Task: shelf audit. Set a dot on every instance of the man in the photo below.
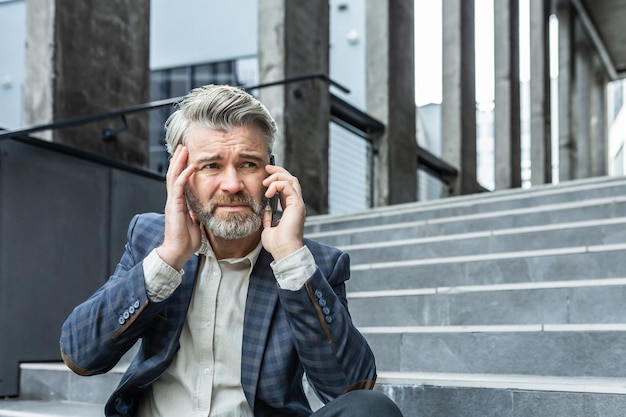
(231, 311)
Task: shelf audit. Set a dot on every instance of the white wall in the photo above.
(12, 48)
(347, 49)
(617, 132)
(349, 179)
(187, 32)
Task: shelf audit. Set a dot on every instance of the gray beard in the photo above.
(234, 225)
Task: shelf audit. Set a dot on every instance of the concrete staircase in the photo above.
(510, 303)
(502, 304)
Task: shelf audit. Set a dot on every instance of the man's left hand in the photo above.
(286, 237)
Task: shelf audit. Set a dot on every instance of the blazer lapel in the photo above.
(260, 306)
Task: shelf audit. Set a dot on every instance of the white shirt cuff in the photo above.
(294, 270)
(160, 279)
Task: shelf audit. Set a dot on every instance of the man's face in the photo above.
(225, 192)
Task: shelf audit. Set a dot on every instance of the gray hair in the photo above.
(219, 107)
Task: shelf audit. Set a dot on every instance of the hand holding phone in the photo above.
(287, 235)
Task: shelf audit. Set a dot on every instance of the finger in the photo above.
(176, 191)
(278, 173)
(267, 219)
(282, 176)
(178, 186)
(177, 163)
(285, 188)
(174, 159)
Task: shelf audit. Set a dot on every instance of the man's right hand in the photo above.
(182, 230)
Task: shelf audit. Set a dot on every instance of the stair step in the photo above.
(505, 200)
(55, 382)
(587, 233)
(589, 385)
(30, 408)
(435, 394)
(534, 349)
(559, 264)
(438, 226)
(563, 302)
(440, 394)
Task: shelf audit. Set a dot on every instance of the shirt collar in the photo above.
(207, 250)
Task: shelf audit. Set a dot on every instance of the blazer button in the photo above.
(136, 304)
(318, 294)
(322, 302)
(121, 320)
(131, 310)
(126, 315)
(328, 319)
(326, 310)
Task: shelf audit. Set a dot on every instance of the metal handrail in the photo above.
(76, 121)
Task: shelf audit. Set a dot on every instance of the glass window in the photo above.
(618, 97)
(618, 166)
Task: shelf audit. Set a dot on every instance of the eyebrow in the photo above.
(254, 157)
(217, 157)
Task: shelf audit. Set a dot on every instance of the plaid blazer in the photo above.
(286, 333)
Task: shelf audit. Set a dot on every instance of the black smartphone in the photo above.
(273, 201)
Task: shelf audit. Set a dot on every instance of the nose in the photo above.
(231, 181)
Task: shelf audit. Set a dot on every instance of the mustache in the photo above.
(239, 199)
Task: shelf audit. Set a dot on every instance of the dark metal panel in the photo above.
(54, 234)
(130, 194)
(8, 376)
(59, 216)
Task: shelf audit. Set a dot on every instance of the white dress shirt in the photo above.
(204, 378)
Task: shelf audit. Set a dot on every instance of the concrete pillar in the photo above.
(540, 115)
(581, 111)
(459, 93)
(390, 86)
(599, 128)
(508, 171)
(566, 75)
(85, 58)
(294, 41)
(590, 120)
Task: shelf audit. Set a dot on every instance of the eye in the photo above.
(249, 164)
(208, 167)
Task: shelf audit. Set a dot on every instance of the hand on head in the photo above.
(182, 230)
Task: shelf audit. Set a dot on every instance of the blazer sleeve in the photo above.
(334, 354)
(99, 331)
